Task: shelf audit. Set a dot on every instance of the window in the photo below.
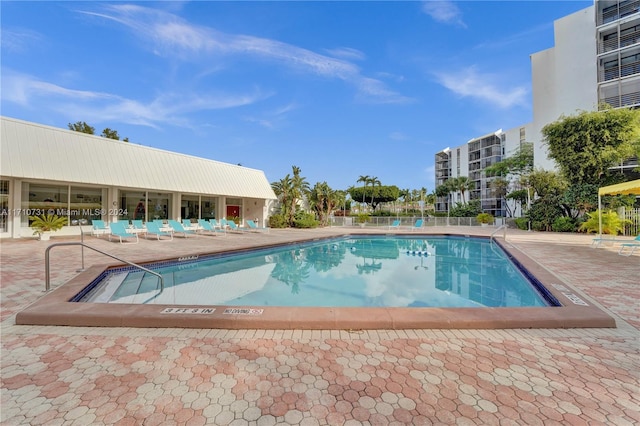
(4, 205)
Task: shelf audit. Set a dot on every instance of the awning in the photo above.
(624, 188)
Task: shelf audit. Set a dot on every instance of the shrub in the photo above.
(522, 223)
(305, 220)
(363, 218)
(611, 223)
(563, 224)
(484, 218)
(277, 221)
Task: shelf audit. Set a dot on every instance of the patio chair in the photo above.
(635, 243)
(99, 228)
(208, 227)
(596, 242)
(137, 224)
(177, 227)
(395, 224)
(417, 225)
(154, 229)
(253, 227)
(233, 227)
(118, 229)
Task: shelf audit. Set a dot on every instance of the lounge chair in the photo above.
(233, 227)
(177, 227)
(217, 226)
(208, 227)
(253, 227)
(137, 224)
(154, 229)
(596, 242)
(633, 244)
(99, 228)
(118, 229)
(417, 225)
(395, 224)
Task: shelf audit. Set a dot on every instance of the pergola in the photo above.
(625, 188)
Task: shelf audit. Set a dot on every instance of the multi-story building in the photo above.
(595, 59)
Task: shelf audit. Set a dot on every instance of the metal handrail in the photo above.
(47, 269)
(504, 235)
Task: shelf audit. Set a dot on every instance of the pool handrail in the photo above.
(504, 235)
(47, 282)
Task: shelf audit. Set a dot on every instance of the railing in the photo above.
(616, 72)
(623, 100)
(504, 235)
(409, 221)
(47, 269)
(618, 11)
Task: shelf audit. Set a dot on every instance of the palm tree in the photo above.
(373, 180)
(365, 180)
(283, 189)
(299, 190)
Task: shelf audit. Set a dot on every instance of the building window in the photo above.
(159, 205)
(40, 199)
(4, 205)
(208, 210)
(133, 205)
(85, 204)
(190, 207)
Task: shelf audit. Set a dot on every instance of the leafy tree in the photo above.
(470, 209)
(374, 181)
(324, 200)
(365, 180)
(290, 190)
(586, 145)
(509, 172)
(110, 134)
(82, 127)
(611, 222)
(381, 194)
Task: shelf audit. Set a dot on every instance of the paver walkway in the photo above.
(95, 376)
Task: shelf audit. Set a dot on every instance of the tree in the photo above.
(373, 180)
(461, 184)
(381, 194)
(82, 127)
(586, 145)
(324, 200)
(365, 180)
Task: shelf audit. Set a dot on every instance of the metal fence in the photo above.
(631, 228)
(407, 222)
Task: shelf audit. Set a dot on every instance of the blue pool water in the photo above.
(382, 271)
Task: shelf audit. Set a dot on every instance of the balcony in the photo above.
(612, 73)
(614, 43)
(628, 99)
(618, 11)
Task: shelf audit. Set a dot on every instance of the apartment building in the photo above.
(595, 59)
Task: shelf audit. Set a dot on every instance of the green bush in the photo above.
(277, 221)
(484, 218)
(522, 223)
(611, 223)
(563, 224)
(305, 220)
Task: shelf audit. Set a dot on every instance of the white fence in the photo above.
(406, 221)
(633, 216)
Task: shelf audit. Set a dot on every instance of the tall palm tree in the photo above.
(462, 184)
(373, 180)
(300, 189)
(283, 189)
(365, 180)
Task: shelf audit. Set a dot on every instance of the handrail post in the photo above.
(47, 269)
(81, 248)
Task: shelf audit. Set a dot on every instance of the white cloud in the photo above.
(484, 87)
(346, 53)
(26, 90)
(444, 11)
(171, 36)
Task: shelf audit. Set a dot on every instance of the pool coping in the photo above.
(55, 308)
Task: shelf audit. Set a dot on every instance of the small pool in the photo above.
(353, 271)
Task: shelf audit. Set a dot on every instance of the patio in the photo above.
(81, 375)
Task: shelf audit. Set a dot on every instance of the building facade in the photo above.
(595, 59)
(84, 177)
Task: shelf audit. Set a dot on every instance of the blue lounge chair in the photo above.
(233, 227)
(208, 227)
(217, 226)
(633, 244)
(154, 229)
(253, 227)
(417, 225)
(137, 224)
(395, 224)
(99, 228)
(597, 242)
(118, 229)
(177, 227)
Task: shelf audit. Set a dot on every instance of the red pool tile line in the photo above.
(55, 309)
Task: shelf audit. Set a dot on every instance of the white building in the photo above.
(595, 59)
(84, 177)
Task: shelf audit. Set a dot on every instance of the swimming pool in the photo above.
(364, 271)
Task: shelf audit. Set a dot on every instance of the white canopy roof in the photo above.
(34, 151)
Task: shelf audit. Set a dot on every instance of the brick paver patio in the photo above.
(94, 376)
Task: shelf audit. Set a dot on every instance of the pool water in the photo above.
(381, 271)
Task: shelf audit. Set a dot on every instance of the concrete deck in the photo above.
(104, 375)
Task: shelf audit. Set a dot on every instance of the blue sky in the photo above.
(339, 89)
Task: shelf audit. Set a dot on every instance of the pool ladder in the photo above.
(504, 234)
(47, 283)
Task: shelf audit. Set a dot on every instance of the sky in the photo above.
(339, 89)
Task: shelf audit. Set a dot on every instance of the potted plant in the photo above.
(44, 224)
(484, 218)
(363, 218)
